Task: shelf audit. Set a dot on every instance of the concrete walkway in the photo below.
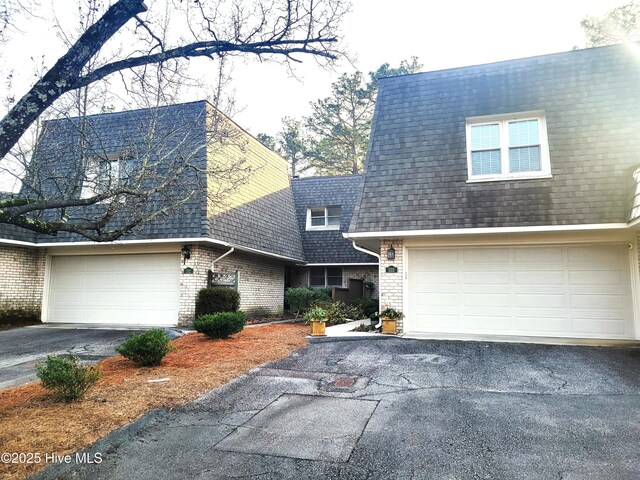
(391, 408)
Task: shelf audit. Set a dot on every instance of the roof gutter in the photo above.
(216, 260)
(364, 250)
(152, 242)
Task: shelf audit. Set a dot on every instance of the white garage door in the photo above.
(555, 291)
(116, 289)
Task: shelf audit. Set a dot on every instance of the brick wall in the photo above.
(300, 276)
(21, 280)
(261, 282)
(391, 283)
(367, 272)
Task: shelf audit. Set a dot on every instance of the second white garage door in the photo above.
(115, 289)
(579, 291)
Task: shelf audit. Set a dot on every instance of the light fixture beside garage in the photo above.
(186, 253)
(391, 253)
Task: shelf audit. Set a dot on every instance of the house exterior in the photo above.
(507, 191)
(324, 207)
(143, 278)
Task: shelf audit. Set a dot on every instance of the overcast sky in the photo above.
(443, 34)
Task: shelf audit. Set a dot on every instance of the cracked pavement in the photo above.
(22, 348)
(432, 409)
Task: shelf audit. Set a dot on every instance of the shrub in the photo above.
(339, 312)
(217, 299)
(301, 299)
(220, 325)
(66, 378)
(391, 314)
(369, 306)
(147, 349)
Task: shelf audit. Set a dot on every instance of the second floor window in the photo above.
(107, 174)
(323, 218)
(507, 147)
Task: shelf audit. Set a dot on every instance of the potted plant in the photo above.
(390, 318)
(317, 316)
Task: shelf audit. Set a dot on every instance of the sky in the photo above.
(442, 34)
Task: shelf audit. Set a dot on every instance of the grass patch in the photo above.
(30, 420)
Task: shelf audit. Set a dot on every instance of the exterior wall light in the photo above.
(391, 253)
(186, 253)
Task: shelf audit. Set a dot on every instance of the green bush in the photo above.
(220, 325)
(301, 299)
(217, 299)
(339, 312)
(316, 314)
(147, 349)
(369, 306)
(66, 378)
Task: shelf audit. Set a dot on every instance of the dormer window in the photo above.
(107, 173)
(323, 218)
(507, 147)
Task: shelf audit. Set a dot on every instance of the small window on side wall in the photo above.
(325, 277)
(507, 147)
(323, 218)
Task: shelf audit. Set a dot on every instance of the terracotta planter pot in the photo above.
(389, 326)
(318, 329)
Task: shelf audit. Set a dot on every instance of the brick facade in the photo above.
(369, 273)
(391, 284)
(21, 281)
(261, 282)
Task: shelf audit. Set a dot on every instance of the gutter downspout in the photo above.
(364, 250)
(216, 260)
(377, 255)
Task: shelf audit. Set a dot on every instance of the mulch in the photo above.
(31, 421)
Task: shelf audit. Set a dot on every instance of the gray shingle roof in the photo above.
(416, 168)
(328, 246)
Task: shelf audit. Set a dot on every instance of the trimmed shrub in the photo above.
(301, 299)
(220, 325)
(369, 306)
(339, 312)
(146, 349)
(217, 299)
(66, 378)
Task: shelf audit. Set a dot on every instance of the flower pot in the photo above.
(318, 328)
(389, 326)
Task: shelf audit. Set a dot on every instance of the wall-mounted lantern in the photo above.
(186, 253)
(391, 253)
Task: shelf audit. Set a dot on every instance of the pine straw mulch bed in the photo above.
(30, 421)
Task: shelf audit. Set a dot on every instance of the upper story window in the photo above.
(103, 174)
(323, 218)
(505, 147)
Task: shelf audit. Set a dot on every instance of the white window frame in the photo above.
(326, 277)
(91, 183)
(503, 122)
(326, 226)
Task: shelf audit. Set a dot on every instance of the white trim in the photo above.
(364, 250)
(19, 243)
(485, 230)
(44, 307)
(310, 227)
(153, 241)
(338, 264)
(635, 285)
(503, 125)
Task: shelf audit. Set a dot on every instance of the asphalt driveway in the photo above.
(395, 408)
(22, 348)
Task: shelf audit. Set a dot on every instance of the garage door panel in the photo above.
(539, 277)
(486, 278)
(539, 255)
(125, 289)
(566, 291)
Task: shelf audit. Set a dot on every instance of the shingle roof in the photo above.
(416, 168)
(328, 246)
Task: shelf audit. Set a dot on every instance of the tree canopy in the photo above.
(333, 139)
(622, 24)
(131, 40)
